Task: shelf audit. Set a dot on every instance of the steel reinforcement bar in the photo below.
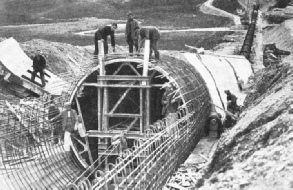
(40, 165)
(28, 157)
(166, 144)
(153, 159)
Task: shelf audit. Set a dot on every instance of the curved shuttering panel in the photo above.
(31, 158)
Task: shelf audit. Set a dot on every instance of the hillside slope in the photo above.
(257, 152)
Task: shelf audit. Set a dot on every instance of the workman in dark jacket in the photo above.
(39, 65)
(170, 102)
(231, 98)
(149, 33)
(102, 34)
(214, 120)
(131, 24)
(232, 107)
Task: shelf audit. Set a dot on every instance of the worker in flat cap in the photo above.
(131, 24)
(69, 118)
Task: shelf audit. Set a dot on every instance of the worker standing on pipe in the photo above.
(102, 34)
(149, 33)
(69, 118)
(131, 24)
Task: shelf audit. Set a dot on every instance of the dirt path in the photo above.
(208, 8)
(218, 29)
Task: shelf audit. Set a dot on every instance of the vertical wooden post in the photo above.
(100, 90)
(146, 58)
(101, 49)
(105, 109)
(145, 106)
(86, 138)
(141, 123)
(99, 95)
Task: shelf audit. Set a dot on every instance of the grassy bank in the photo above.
(167, 16)
(65, 16)
(229, 6)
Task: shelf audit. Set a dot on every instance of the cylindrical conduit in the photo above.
(248, 41)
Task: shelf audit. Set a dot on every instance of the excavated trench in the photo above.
(31, 153)
(190, 89)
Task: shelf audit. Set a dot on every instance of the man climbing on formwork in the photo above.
(214, 121)
(232, 108)
(169, 100)
(131, 24)
(39, 65)
(102, 34)
(69, 118)
(149, 33)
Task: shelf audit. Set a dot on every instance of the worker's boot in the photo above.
(33, 76)
(157, 55)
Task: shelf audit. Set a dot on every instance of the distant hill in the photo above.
(166, 13)
(44, 11)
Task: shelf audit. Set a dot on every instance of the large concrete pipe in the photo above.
(110, 105)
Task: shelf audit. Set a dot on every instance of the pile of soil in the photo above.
(64, 58)
(61, 57)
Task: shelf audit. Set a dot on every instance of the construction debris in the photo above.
(185, 178)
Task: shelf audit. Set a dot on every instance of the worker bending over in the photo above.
(149, 33)
(102, 34)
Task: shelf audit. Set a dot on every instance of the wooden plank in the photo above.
(34, 82)
(86, 138)
(119, 101)
(115, 85)
(122, 115)
(176, 186)
(146, 57)
(147, 109)
(36, 75)
(131, 124)
(123, 77)
(141, 104)
(204, 157)
(110, 134)
(46, 74)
